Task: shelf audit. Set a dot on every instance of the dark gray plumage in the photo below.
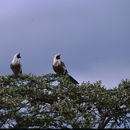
(60, 68)
(15, 64)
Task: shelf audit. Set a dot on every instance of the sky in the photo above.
(92, 36)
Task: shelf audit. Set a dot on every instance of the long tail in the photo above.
(72, 79)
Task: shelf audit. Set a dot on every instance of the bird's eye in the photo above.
(18, 56)
(58, 57)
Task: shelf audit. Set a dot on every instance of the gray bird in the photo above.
(15, 64)
(60, 68)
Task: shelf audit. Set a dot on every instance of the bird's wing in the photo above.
(64, 67)
(66, 72)
(16, 68)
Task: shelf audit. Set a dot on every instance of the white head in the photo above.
(16, 58)
(56, 58)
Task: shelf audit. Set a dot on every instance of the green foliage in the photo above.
(52, 101)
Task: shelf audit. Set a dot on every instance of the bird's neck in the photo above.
(15, 61)
(56, 62)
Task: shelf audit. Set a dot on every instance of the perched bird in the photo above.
(60, 68)
(15, 64)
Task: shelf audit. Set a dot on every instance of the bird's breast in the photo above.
(57, 63)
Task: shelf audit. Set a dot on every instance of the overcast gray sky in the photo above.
(93, 37)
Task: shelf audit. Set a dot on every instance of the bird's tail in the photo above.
(72, 79)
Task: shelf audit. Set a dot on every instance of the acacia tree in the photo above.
(52, 101)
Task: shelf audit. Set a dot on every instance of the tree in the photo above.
(52, 101)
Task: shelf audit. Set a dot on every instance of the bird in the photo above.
(15, 64)
(60, 68)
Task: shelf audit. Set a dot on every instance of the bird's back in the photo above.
(16, 68)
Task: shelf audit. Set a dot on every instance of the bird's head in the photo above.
(57, 56)
(18, 55)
